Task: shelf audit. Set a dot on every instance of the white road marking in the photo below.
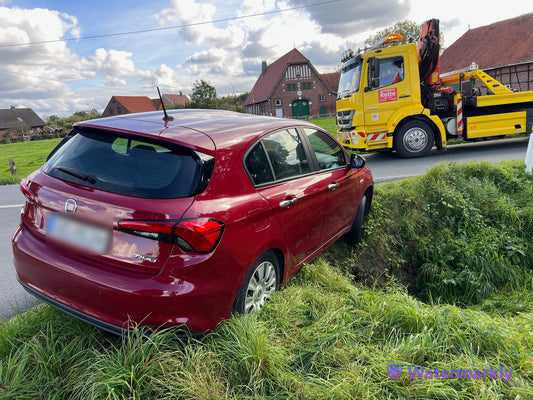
(12, 206)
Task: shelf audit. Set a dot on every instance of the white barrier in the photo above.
(529, 155)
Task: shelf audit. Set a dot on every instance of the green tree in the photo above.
(53, 120)
(203, 95)
(233, 102)
(408, 29)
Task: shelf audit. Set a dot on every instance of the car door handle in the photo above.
(333, 186)
(287, 203)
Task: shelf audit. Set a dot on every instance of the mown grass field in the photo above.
(28, 156)
(443, 279)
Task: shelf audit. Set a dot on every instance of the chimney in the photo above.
(181, 93)
(263, 67)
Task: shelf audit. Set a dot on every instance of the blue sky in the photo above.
(62, 77)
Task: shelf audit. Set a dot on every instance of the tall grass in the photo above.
(325, 335)
(457, 234)
(320, 338)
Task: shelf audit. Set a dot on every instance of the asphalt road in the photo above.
(385, 167)
(388, 166)
(12, 296)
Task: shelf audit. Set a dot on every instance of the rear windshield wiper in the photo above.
(80, 175)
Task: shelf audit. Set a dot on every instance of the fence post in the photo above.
(529, 155)
(12, 167)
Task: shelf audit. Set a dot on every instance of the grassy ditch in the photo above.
(332, 332)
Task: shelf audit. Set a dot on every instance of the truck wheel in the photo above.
(414, 139)
(354, 235)
(260, 283)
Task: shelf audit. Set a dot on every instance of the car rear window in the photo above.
(129, 165)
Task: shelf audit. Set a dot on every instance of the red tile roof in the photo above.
(176, 99)
(265, 84)
(135, 104)
(502, 43)
(332, 80)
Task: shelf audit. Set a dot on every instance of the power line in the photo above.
(75, 82)
(171, 27)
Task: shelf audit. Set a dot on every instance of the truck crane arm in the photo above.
(428, 47)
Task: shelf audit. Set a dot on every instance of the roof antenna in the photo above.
(166, 117)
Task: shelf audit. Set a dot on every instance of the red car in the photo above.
(140, 220)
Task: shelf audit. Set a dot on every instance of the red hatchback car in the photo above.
(137, 220)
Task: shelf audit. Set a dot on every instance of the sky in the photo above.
(83, 52)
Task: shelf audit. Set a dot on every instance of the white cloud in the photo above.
(215, 62)
(351, 17)
(39, 75)
(190, 12)
(115, 66)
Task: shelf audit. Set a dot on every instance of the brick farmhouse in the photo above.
(292, 87)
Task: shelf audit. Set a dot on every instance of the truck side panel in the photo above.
(496, 124)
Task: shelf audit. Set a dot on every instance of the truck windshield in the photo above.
(350, 77)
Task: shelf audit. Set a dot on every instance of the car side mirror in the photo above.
(356, 161)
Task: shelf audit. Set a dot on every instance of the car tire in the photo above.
(355, 233)
(260, 283)
(414, 139)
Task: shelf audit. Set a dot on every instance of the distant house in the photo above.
(135, 104)
(292, 87)
(503, 50)
(23, 117)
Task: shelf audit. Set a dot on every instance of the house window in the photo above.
(291, 86)
(321, 97)
(277, 102)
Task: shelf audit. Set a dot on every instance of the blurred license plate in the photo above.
(79, 234)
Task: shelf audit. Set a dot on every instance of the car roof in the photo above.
(203, 130)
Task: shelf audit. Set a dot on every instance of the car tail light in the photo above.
(26, 191)
(195, 235)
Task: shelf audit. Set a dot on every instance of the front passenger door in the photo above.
(342, 184)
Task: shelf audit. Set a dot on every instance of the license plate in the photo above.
(79, 234)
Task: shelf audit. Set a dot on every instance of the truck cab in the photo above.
(379, 102)
(392, 96)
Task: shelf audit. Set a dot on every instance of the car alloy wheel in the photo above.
(259, 284)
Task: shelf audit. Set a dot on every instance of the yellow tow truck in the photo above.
(392, 96)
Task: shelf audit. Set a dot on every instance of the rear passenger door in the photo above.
(280, 169)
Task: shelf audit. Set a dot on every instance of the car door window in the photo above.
(327, 151)
(258, 165)
(278, 156)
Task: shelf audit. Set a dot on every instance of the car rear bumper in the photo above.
(76, 314)
(114, 300)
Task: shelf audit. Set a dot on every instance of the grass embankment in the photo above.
(28, 156)
(459, 234)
